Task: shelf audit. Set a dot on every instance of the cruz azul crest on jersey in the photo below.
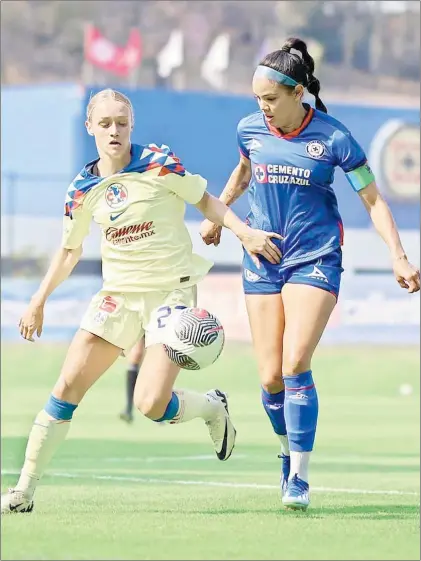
(315, 149)
(116, 195)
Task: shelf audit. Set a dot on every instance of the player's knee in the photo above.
(296, 361)
(150, 404)
(271, 378)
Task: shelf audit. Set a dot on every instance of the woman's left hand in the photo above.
(406, 274)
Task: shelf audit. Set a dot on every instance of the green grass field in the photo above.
(148, 491)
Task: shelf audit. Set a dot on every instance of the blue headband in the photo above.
(274, 75)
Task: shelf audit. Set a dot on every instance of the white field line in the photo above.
(228, 484)
(366, 460)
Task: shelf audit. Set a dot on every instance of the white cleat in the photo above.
(297, 494)
(15, 501)
(221, 429)
(285, 469)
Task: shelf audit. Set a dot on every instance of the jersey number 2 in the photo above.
(164, 313)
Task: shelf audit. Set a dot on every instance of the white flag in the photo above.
(216, 61)
(172, 54)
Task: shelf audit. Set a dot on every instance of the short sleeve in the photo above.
(77, 215)
(241, 142)
(352, 159)
(76, 227)
(349, 154)
(190, 188)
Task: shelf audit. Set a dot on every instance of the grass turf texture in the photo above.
(148, 491)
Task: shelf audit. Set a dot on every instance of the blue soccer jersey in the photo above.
(291, 191)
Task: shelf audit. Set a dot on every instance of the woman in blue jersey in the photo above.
(288, 154)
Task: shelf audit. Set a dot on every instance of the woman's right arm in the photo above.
(237, 185)
(76, 223)
(62, 264)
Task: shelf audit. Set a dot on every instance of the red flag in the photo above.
(102, 52)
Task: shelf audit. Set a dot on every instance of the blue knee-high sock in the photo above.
(274, 407)
(171, 410)
(301, 411)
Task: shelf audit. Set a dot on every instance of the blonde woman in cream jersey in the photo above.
(137, 195)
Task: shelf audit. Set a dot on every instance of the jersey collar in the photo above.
(135, 151)
(296, 132)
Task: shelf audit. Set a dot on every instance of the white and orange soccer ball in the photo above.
(194, 338)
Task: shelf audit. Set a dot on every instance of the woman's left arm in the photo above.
(406, 274)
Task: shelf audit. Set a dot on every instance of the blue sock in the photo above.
(301, 411)
(171, 410)
(274, 407)
(59, 409)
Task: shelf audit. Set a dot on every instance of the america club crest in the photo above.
(315, 149)
(116, 195)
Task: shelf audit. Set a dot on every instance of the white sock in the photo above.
(284, 444)
(193, 405)
(299, 464)
(45, 437)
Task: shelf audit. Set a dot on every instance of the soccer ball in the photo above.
(194, 338)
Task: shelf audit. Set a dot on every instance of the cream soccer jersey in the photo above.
(145, 243)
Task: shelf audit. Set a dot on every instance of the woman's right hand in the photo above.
(32, 321)
(210, 232)
(258, 242)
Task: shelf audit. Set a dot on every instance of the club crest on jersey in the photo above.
(116, 195)
(315, 149)
(251, 276)
(260, 173)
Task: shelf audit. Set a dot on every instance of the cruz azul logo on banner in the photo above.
(274, 173)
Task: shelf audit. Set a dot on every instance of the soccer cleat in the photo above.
(297, 494)
(15, 501)
(127, 417)
(286, 465)
(221, 429)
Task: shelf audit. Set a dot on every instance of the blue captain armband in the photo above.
(360, 177)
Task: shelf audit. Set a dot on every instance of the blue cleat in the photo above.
(297, 494)
(286, 465)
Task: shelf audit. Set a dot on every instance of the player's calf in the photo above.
(131, 378)
(49, 430)
(156, 407)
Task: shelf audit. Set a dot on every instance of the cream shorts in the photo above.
(123, 319)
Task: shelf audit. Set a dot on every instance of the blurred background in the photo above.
(148, 491)
(187, 67)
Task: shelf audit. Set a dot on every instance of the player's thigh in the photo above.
(309, 297)
(307, 312)
(107, 329)
(155, 382)
(158, 373)
(136, 354)
(88, 357)
(267, 322)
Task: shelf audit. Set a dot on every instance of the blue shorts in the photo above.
(324, 272)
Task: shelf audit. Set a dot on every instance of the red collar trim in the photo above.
(296, 132)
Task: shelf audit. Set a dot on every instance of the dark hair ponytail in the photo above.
(299, 68)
